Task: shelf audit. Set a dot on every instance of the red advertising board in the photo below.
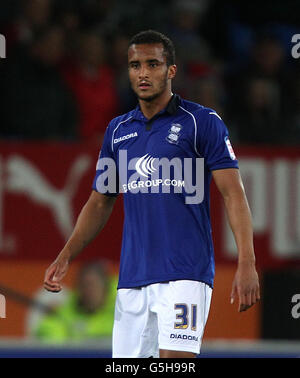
(43, 186)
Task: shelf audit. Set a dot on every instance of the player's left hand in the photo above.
(246, 286)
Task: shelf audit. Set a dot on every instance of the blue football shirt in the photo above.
(165, 238)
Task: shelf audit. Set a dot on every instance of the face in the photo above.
(50, 49)
(149, 74)
(92, 50)
(91, 290)
(38, 11)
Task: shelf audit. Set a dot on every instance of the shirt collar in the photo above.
(171, 109)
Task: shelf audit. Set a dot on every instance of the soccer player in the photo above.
(167, 263)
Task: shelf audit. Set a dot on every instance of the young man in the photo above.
(167, 264)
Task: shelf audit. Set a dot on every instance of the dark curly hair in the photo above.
(152, 36)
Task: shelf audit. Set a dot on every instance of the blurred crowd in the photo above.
(65, 75)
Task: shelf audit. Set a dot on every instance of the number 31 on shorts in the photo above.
(183, 316)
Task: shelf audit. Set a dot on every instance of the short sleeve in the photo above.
(106, 178)
(213, 142)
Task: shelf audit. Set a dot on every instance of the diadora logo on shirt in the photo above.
(174, 133)
(125, 137)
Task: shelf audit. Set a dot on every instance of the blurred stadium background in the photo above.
(65, 77)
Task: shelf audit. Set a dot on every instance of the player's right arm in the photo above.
(90, 222)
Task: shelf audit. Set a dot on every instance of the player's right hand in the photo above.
(55, 273)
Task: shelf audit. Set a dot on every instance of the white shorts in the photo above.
(170, 316)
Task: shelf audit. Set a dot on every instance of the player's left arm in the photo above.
(245, 284)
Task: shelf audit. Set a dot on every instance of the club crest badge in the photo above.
(174, 133)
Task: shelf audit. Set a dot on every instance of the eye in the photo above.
(153, 65)
(133, 65)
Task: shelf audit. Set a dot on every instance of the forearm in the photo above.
(90, 222)
(240, 221)
(245, 283)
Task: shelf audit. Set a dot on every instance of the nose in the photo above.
(144, 73)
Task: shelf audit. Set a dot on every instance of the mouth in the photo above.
(144, 85)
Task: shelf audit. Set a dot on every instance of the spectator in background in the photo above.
(93, 83)
(259, 100)
(88, 312)
(118, 56)
(208, 93)
(67, 14)
(37, 103)
(258, 120)
(193, 53)
(186, 18)
(34, 16)
(205, 85)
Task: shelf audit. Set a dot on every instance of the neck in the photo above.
(150, 108)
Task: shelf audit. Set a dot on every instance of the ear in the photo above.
(172, 71)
